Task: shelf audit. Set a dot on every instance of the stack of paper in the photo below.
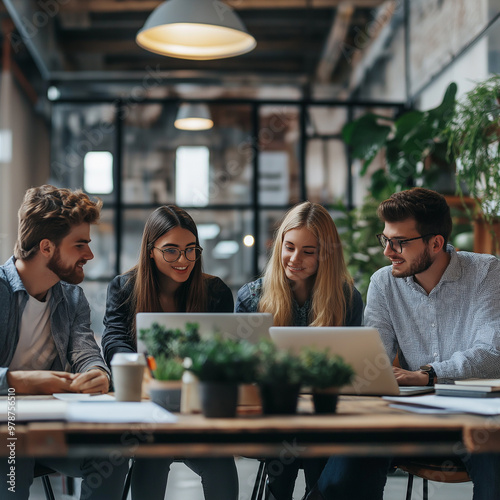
(472, 388)
(443, 404)
(100, 412)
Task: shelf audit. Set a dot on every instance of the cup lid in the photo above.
(128, 358)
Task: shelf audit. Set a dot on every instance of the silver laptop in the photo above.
(238, 326)
(360, 346)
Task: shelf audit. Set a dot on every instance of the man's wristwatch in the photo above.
(430, 372)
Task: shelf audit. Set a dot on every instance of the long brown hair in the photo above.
(332, 281)
(190, 296)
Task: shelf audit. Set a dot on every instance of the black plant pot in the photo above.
(218, 399)
(325, 402)
(279, 399)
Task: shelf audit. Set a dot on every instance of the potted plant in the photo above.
(166, 347)
(165, 388)
(279, 377)
(415, 145)
(474, 139)
(161, 341)
(325, 374)
(221, 365)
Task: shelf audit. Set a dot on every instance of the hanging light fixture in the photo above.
(193, 117)
(195, 29)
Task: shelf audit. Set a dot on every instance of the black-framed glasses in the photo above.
(396, 244)
(173, 254)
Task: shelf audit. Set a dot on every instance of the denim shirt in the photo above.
(77, 350)
(249, 297)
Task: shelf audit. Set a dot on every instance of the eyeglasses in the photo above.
(174, 254)
(395, 243)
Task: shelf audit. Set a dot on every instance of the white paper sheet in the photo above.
(117, 412)
(72, 396)
(478, 406)
(80, 411)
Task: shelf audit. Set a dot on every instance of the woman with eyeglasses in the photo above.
(167, 278)
(305, 283)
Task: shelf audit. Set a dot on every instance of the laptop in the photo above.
(238, 326)
(359, 346)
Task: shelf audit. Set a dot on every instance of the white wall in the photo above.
(29, 164)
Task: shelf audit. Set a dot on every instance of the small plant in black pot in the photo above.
(325, 374)
(221, 365)
(279, 377)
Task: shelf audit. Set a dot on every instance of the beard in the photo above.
(69, 274)
(421, 264)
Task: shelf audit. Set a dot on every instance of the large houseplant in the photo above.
(414, 145)
(474, 139)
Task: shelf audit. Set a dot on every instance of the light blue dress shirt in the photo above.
(455, 328)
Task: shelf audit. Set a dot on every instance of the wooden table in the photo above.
(362, 426)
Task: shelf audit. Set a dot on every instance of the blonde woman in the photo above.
(305, 283)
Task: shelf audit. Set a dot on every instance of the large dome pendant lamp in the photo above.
(195, 29)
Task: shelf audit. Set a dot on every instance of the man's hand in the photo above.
(94, 380)
(406, 377)
(40, 381)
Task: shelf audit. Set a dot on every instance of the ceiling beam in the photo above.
(334, 42)
(36, 30)
(101, 6)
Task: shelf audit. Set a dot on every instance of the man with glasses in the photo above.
(438, 310)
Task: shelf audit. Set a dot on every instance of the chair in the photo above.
(259, 486)
(43, 473)
(447, 470)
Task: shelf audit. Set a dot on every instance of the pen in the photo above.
(151, 365)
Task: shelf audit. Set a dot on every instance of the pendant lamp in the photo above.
(193, 117)
(195, 29)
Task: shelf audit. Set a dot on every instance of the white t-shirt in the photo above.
(36, 349)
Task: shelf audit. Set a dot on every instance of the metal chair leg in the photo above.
(409, 487)
(260, 482)
(47, 487)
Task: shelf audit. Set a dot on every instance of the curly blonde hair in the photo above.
(49, 213)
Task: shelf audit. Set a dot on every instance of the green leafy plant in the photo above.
(168, 368)
(222, 360)
(474, 139)
(323, 370)
(169, 343)
(415, 145)
(276, 366)
(358, 229)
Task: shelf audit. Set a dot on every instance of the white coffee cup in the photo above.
(128, 370)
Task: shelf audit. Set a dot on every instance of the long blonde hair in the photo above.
(333, 285)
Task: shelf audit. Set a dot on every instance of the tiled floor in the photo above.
(184, 484)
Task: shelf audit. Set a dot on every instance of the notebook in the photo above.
(238, 326)
(360, 346)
